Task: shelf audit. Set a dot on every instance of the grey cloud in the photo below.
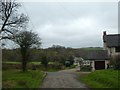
(73, 24)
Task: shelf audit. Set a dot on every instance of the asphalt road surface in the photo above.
(63, 79)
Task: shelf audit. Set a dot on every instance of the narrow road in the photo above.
(63, 79)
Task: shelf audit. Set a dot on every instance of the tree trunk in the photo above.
(24, 58)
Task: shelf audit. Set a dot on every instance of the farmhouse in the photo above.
(100, 59)
(111, 43)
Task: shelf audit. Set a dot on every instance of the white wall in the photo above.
(111, 51)
(106, 62)
(93, 65)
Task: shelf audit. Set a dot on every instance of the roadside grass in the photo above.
(17, 79)
(101, 79)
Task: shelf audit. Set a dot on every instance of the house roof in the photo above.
(112, 40)
(97, 55)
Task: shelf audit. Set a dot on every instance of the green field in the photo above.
(36, 63)
(11, 62)
(52, 67)
(102, 79)
(18, 79)
(92, 48)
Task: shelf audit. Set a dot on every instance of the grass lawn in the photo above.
(101, 79)
(18, 79)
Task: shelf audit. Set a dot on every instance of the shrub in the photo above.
(44, 61)
(33, 67)
(115, 61)
(85, 68)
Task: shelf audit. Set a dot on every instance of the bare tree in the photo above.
(10, 20)
(26, 40)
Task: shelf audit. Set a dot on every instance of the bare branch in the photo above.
(10, 19)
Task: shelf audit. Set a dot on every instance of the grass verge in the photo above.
(101, 79)
(18, 79)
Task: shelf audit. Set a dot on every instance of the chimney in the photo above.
(104, 36)
(104, 33)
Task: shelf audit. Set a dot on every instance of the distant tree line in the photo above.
(52, 54)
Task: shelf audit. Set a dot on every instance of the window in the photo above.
(117, 49)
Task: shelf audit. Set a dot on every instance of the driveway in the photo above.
(63, 79)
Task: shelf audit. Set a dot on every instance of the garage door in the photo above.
(99, 65)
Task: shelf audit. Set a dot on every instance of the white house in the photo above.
(77, 60)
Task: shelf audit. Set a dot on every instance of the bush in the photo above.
(44, 61)
(85, 68)
(56, 66)
(116, 62)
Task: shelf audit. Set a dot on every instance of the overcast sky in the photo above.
(72, 24)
